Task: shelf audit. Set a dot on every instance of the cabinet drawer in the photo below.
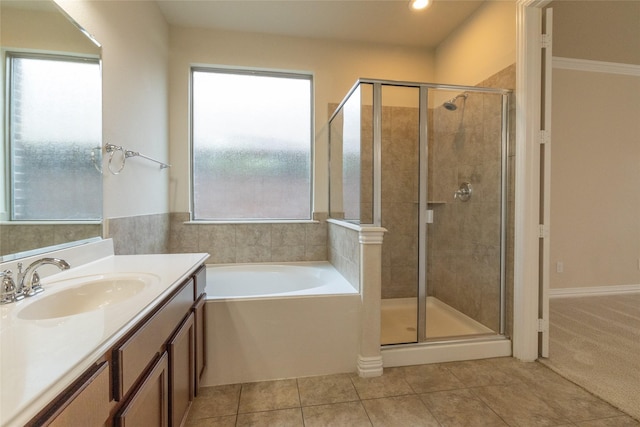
(132, 357)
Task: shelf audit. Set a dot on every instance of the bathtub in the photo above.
(273, 321)
(229, 281)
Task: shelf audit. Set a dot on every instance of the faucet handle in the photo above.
(8, 287)
(36, 286)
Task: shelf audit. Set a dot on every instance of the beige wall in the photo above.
(146, 75)
(597, 30)
(134, 64)
(135, 40)
(26, 28)
(595, 198)
(335, 66)
(484, 45)
(595, 165)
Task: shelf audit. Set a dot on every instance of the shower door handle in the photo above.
(463, 193)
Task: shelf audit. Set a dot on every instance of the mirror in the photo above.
(57, 209)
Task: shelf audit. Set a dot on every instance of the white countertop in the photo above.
(40, 358)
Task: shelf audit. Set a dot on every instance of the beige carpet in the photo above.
(595, 342)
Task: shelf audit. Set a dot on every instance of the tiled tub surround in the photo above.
(344, 251)
(142, 234)
(19, 237)
(40, 358)
(250, 242)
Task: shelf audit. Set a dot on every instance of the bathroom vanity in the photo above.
(133, 359)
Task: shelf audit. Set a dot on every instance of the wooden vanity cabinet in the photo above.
(149, 403)
(150, 376)
(133, 355)
(86, 402)
(177, 330)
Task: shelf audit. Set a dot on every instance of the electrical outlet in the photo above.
(559, 267)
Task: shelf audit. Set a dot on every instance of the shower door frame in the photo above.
(424, 88)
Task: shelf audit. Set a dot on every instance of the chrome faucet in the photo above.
(29, 280)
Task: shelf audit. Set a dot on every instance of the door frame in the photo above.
(527, 262)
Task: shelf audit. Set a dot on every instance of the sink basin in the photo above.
(90, 293)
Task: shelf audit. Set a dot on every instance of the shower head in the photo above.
(451, 104)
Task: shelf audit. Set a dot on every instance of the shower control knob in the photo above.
(463, 193)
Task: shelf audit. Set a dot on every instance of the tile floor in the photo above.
(491, 392)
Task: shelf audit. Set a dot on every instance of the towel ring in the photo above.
(124, 159)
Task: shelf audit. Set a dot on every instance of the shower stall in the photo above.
(428, 162)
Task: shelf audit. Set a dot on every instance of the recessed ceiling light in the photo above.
(419, 4)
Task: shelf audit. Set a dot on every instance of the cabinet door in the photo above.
(149, 404)
(85, 403)
(133, 355)
(181, 370)
(200, 313)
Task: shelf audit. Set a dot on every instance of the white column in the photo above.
(369, 357)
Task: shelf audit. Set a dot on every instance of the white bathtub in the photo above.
(273, 321)
(229, 281)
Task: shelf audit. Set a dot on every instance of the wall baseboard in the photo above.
(593, 291)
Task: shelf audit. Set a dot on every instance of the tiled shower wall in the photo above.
(143, 234)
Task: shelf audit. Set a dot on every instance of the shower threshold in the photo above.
(399, 321)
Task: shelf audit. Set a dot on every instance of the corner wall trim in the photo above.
(593, 291)
(596, 66)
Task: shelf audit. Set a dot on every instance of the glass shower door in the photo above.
(400, 213)
(467, 181)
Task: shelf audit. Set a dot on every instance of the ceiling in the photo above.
(369, 21)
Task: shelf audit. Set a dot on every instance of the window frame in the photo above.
(260, 72)
(7, 167)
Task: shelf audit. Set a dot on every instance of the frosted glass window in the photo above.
(251, 145)
(55, 137)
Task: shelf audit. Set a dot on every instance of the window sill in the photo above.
(270, 221)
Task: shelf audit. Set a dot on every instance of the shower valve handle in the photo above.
(463, 193)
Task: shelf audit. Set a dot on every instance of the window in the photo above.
(54, 134)
(251, 139)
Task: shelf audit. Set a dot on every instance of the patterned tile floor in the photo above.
(492, 392)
